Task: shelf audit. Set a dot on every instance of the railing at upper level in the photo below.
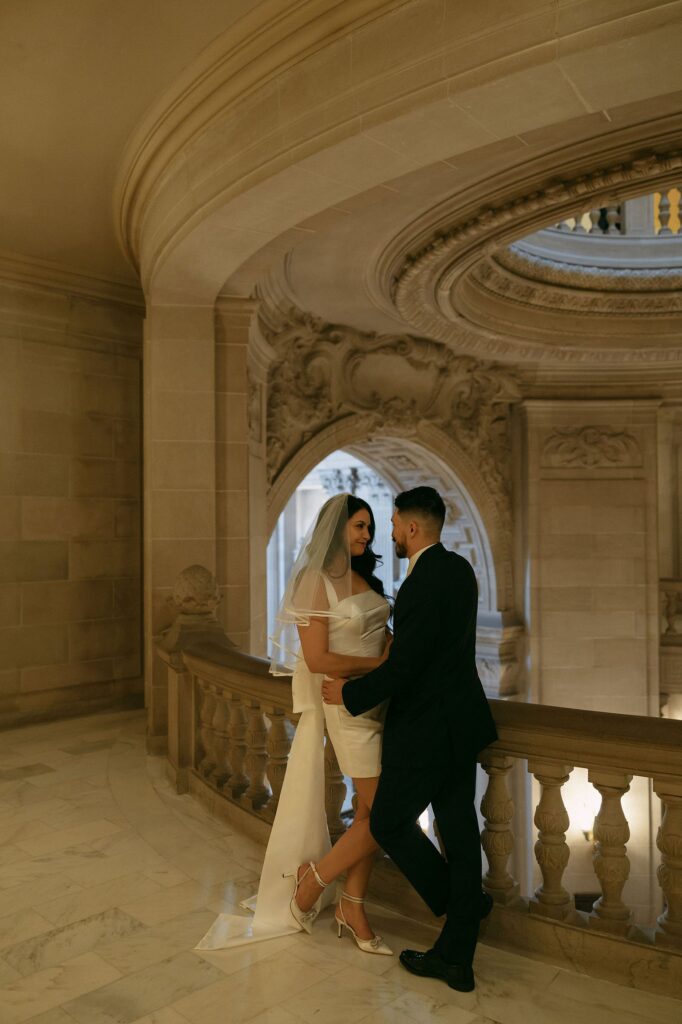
(641, 235)
(237, 724)
(651, 216)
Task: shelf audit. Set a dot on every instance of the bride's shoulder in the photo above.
(312, 589)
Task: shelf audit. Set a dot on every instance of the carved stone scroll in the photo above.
(324, 373)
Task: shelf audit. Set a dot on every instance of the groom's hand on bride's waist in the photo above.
(331, 691)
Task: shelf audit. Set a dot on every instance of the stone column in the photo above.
(179, 479)
(240, 485)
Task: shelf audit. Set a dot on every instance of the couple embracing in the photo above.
(406, 715)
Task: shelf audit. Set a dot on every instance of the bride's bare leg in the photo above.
(352, 853)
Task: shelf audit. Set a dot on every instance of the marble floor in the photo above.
(108, 878)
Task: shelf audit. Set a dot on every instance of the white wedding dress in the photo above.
(357, 626)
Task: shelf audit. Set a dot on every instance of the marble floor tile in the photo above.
(440, 1007)
(231, 961)
(24, 924)
(23, 771)
(247, 993)
(131, 874)
(28, 997)
(7, 973)
(59, 944)
(141, 993)
(349, 995)
(63, 838)
(181, 899)
(10, 854)
(606, 996)
(275, 1015)
(163, 1016)
(18, 832)
(151, 945)
(98, 898)
(56, 1016)
(37, 893)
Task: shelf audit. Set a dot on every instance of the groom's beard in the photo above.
(400, 549)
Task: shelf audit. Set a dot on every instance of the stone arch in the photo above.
(429, 456)
(426, 457)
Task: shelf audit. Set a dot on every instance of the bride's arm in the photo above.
(318, 657)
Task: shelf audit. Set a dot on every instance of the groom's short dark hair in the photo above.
(425, 502)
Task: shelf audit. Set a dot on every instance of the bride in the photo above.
(332, 621)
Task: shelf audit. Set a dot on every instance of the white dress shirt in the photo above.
(413, 560)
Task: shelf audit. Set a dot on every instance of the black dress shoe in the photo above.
(486, 905)
(431, 965)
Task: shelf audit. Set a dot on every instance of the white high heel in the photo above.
(375, 945)
(304, 918)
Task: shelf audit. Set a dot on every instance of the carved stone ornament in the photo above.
(591, 448)
(432, 286)
(325, 373)
(196, 591)
(196, 597)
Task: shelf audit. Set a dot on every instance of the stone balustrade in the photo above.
(653, 215)
(671, 611)
(234, 758)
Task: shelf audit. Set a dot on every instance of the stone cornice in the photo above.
(428, 286)
(30, 272)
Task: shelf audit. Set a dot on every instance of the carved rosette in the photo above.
(323, 374)
(591, 447)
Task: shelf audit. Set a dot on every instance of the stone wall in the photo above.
(70, 468)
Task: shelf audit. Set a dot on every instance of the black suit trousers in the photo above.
(449, 886)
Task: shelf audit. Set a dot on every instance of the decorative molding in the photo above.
(324, 373)
(424, 289)
(584, 291)
(27, 271)
(591, 447)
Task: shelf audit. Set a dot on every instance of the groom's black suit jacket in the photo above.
(438, 712)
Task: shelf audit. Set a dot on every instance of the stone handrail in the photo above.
(237, 748)
(639, 237)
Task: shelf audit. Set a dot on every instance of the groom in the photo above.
(437, 721)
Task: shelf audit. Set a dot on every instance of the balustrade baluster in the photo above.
(335, 791)
(278, 747)
(612, 218)
(206, 710)
(664, 214)
(611, 864)
(221, 740)
(551, 849)
(257, 793)
(595, 226)
(497, 839)
(238, 781)
(669, 842)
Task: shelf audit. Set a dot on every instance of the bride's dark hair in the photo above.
(365, 564)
